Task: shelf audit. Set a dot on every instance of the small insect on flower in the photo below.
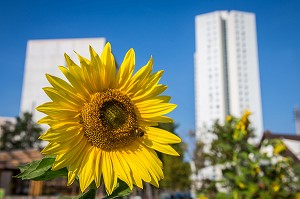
(139, 132)
(102, 121)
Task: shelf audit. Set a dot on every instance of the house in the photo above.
(292, 143)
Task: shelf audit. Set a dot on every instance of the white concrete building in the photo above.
(44, 56)
(226, 70)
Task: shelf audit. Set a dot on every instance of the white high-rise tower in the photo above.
(226, 70)
(44, 56)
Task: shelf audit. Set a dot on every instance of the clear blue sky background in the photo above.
(164, 29)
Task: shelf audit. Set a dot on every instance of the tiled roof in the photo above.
(270, 135)
(14, 158)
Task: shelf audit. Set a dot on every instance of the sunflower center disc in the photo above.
(113, 114)
(109, 120)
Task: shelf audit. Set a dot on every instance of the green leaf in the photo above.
(42, 166)
(36, 168)
(23, 167)
(41, 170)
(27, 169)
(121, 190)
(50, 174)
(87, 195)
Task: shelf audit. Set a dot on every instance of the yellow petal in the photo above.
(134, 161)
(164, 148)
(151, 82)
(66, 123)
(60, 84)
(45, 120)
(155, 92)
(126, 69)
(77, 81)
(62, 135)
(150, 163)
(98, 167)
(81, 159)
(143, 123)
(89, 71)
(57, 111)
(64, 99)
(63, 147)
(139, 79)
(136, 172)
(109, 177)
(161, 136)
(161, 119)
(99, 70)
(108, 60)
(87, 174)
(71, 177)
(65, 159)
(154, 101)
(157, 110)
(121, 168)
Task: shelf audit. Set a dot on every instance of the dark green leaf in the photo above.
(121, 190)
(87, 195)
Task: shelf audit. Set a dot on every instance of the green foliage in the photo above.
(247, 171)
(177, 172)
(41, 170)
(90, 194)
(121, 190)
(21, 135)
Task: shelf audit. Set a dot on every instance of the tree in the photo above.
(199, 155)
(20, 135)
(248, 171)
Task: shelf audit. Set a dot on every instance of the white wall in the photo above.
(209, 79)
(244, 81)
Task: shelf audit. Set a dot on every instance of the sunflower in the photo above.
(102, 121)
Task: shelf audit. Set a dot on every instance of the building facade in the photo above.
(44, 56)
(226, 70)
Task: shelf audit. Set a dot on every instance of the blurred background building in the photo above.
(44, 56)
(226, 70)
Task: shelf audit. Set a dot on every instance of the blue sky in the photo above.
(165, 30)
